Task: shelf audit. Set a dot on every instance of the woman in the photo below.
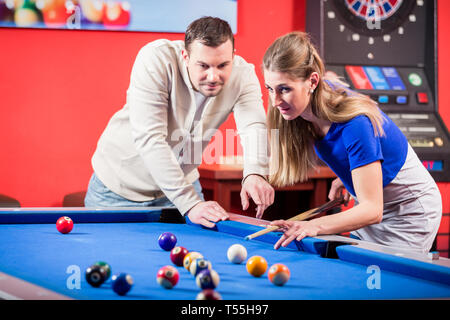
(398, 202)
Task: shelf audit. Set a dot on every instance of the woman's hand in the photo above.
(338, 190)
(294, 230)
(262, 193)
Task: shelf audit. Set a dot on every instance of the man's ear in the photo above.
(185, 55)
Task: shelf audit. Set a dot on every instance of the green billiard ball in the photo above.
(106, 266)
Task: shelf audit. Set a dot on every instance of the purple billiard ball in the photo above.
(207, 279)
(167, 241)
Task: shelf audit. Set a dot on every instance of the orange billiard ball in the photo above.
(55, 12)
(92, 10)
(256, 266)
(279, 274)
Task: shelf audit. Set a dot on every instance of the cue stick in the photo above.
(302, 216)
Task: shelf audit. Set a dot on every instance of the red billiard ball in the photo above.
(116, 14)
(56, 12)
(64, 225)
(208, 294)
(167, 277)
(177, 255)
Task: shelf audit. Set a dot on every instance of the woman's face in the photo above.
(290, 96)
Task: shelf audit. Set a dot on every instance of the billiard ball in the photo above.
(236, 253)
(92, 11)
(208, 294)
(56, 12)
(26, 13)
(191, 256)
(106, 266)
(279, 274)
(96, 275)
(6, 11)
(198, 265)
(207, 279)
(177, 255)
(167, 277)
(256, 266)
(121, 283)
(64, 225)
(116, 14)
(167, 241)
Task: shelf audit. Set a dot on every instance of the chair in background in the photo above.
(75, 199)
(7, 202)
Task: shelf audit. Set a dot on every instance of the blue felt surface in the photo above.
(393, 263)
(39, 254)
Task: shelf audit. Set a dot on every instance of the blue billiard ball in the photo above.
(167, 241)
(121, 283)
(199, 265)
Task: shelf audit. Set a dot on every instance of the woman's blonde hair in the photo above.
(292, 141)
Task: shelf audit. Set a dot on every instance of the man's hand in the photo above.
(207, 213)
(262, 193)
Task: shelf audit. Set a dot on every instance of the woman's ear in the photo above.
(314, 78)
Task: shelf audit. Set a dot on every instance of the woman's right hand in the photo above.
(338, 190)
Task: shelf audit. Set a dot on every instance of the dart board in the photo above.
(368, 32)
(386, 49)
(374, 17)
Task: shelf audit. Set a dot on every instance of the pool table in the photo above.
(38, 262)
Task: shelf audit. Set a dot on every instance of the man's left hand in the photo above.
(258, 189)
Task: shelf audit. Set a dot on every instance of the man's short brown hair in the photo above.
(210, 31)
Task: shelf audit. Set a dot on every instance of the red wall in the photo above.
(58, 89)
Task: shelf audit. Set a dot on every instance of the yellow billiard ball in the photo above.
(190, 257)
(256, 266)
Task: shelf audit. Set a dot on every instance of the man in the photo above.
(182, 91)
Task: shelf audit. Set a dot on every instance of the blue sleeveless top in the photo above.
(353, 144)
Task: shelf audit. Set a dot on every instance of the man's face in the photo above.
(209, 68)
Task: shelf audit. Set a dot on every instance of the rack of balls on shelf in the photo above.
(66, 13)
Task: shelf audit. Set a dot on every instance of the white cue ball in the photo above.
(237, 253)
